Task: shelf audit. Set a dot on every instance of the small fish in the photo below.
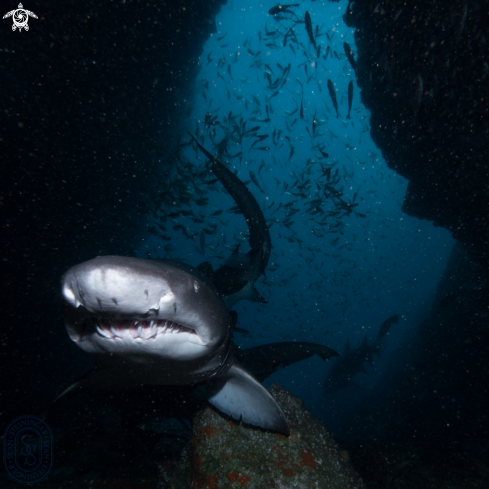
(292, 151)
(350, 98)
(289, 126)
(302, 108)
(350, 56)
(325, 155)
(280, 9)
(348, 15)
(254, 179)
(285, 37)
(222, 37)
(261, 137)
(332, 94)
(309, 29)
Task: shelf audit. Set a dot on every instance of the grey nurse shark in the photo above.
(160, 322)
(353, 359)
(163, 322)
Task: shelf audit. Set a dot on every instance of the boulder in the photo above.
(226, 454)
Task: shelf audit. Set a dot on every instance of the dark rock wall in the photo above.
(434, 390)
(85, 95)
(423, 70)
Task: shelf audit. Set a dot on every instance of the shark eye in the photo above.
(196, 286)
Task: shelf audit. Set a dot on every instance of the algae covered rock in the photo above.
(224, 454)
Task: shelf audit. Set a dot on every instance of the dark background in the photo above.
(88, 91)
(85, 94)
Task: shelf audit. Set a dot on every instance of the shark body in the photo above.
(353, 359)
(146, 401)
(160, 322)
(235, 279)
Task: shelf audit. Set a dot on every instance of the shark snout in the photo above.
(132, 289)
(108, 287)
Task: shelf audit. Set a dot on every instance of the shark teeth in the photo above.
(105, 333)
(153, 330)
(138, 330)
(114, 333)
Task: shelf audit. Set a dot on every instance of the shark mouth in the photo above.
(117, 329)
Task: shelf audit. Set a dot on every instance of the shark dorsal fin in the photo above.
(347, 347)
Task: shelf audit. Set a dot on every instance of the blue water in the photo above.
(325, 289)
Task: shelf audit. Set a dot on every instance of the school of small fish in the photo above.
(258, 125)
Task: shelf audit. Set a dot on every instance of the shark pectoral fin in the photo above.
(81, 385)
(94, 380)
(239, 395)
